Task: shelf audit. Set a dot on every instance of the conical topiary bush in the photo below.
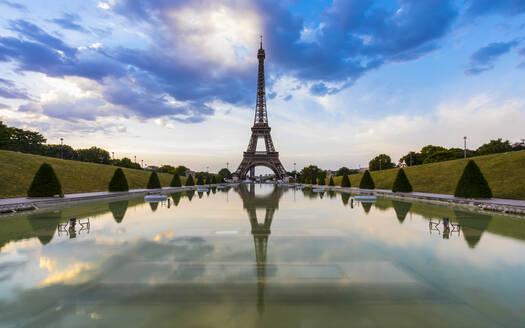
(331, 182)
(213, 179)
(367, 182)
(472, 183)
(45, 183)
(190, 181)
(401, 184)
(118, 181)
(154, 182)
(175, 181)
(321, 181)
(313, 180)
(345, 183)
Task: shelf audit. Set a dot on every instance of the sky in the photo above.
(174, 82)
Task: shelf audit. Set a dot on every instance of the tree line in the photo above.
(433, 154)
(31, 142)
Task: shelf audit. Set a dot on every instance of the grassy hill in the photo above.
(504, 172)
(17, 171)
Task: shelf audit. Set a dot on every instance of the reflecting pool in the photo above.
(260, 255)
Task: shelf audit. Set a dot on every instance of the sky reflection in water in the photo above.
(259, 255)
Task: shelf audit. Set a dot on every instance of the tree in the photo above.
(94, 155)
(313, 180)
(166, 169)
(412, 158)
(190, 182)
(311, 170)
(380, 162)
(440, 156)
(208, 179)
(331, 182)
(430, 149)
(175, 181)
(126, 162)
(494, 147)
(345, 183)
(401, 184)
(213, 179)
(520, 145)
(366, 181)
(460, 153)
(321, 181)
(59, 151)
(344, 170)
(118, 181)
(472, 183)
(45, 183)
(181, 170)
(224, 173)
(154, 182)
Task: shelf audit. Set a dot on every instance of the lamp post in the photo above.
(113, 157)
(142, 163)
(295, 172)
(61, 148)
(135, 160)
(465, 147)
(227, 166)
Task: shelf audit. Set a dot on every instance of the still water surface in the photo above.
(261, 255)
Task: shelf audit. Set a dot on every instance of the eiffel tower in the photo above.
(260, 129)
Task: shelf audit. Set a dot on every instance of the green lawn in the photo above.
(504, 172)
(17, 171)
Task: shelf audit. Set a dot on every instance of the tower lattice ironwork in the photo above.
(260, 130)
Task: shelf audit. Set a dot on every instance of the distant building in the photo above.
(330, 174)
(403, 164)
(189, 172)
(151, 168)
(362, 169)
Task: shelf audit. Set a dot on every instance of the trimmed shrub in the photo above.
(472, 183)
(401, 184)
(313, 180)
(200, 180)
(175, 181)
(345, 182)
(331, 182)
(367, 182)
(154, 182)
(321, 181)
(190, 182)
(213, 179)
(45, 183)
(208, 179)
(118, 181)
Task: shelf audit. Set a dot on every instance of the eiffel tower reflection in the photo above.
(260, 231)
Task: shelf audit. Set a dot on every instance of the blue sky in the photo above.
(173, 82)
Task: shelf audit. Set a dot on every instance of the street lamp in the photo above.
(135, 161)
(465, 147)
(142, 161)
(295, 172)
(61, 148)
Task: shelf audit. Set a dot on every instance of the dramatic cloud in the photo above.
(68, 22)
(193, 54)
(13, 5)
(483, 59)
(505, 7)
(9, 90)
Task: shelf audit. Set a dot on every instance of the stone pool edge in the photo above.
(24, 204)
(510, 207)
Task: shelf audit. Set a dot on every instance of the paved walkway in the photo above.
(26, 201)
